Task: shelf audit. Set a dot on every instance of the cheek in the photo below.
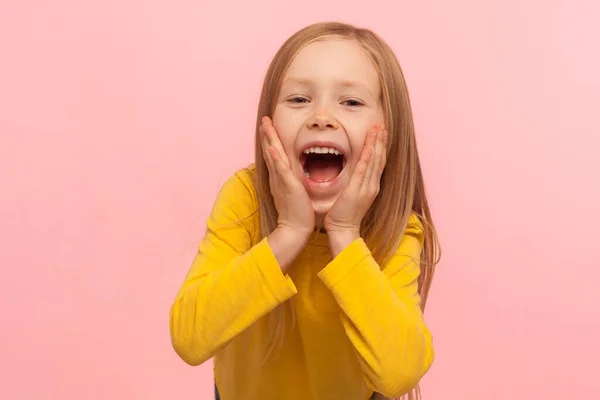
(356, 145)
(289, 118)
(359, 124)
(287, 126)
(357, 140)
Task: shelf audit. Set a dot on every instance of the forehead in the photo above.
(334, 60)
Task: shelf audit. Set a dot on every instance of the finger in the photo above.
(265, 150)
(373, 141)
(384, 151)
(374, 182)
(274, 140)
(375, 173)
(273, 137)
(360, 170)
(282, 168)
(270, 163)
(267, 155)
(371, 136)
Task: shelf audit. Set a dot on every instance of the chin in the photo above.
(322, 206)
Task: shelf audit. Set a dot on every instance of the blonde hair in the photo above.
(402, 190)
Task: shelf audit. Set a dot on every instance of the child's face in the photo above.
(329, 99)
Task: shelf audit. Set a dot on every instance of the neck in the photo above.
(319, 218)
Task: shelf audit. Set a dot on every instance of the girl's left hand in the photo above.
(346, 214)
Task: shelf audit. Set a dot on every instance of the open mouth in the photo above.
(322, 164)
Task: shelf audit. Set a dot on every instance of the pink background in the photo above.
(119, 120)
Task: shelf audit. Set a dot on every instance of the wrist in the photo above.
(339, 240)
(294, 235)
(286, 243)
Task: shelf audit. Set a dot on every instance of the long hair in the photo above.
(402, 190)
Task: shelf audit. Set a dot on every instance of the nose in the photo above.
(322, 119)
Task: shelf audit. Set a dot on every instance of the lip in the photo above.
(322, 188)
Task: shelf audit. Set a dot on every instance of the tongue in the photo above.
(323, 168)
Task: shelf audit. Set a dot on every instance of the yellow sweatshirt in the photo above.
(358, 328)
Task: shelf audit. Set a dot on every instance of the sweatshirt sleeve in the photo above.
(381, 312)
(231, 283)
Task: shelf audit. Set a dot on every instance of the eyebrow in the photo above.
(343, 83)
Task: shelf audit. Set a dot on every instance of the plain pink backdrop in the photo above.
(119, 121)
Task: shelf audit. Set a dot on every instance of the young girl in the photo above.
(317, 260)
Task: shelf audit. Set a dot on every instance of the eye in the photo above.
(298, 100)
(353, 103)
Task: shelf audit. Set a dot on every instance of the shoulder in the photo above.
(240, 185)
(414, 227)
(236, 198)
(412, 240)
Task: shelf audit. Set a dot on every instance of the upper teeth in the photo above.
(322, 150)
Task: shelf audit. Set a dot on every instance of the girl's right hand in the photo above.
(291, 199)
